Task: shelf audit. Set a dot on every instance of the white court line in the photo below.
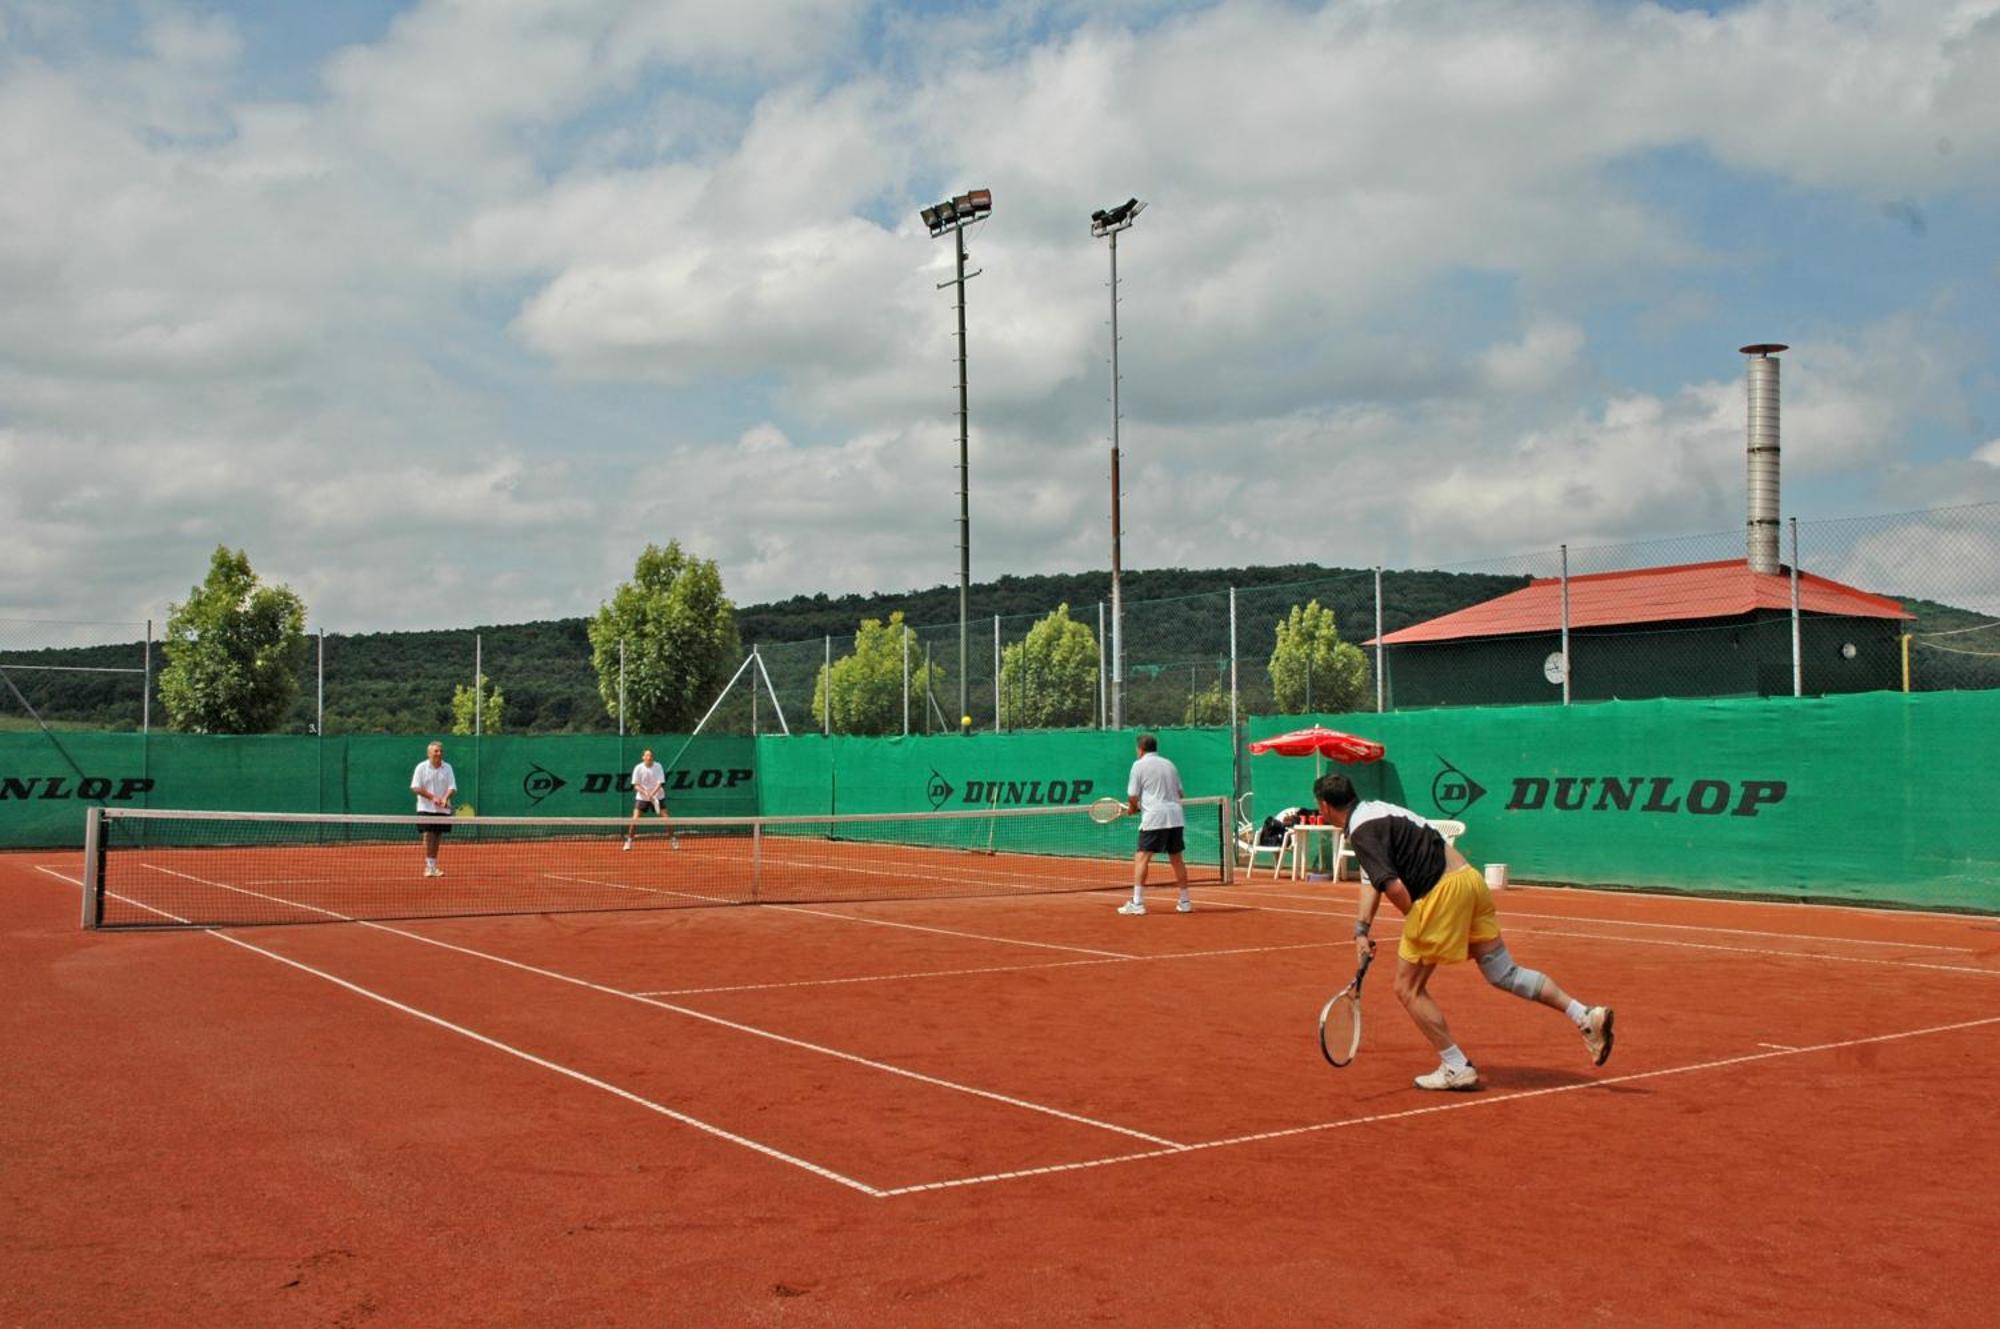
(1459, 1104)
(1513, 912)
(952, 932)
(1515, 924)
(1781, 1047)
(704, 1016)
(1990, 972)
(993, 969)
(647, 890)
(1169, 1149)
(512, 1051)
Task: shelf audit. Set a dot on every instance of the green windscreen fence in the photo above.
(809, 774)
(46, 780)
(812, 775)
(1873, 796)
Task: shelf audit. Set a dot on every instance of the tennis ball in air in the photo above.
(965, 722)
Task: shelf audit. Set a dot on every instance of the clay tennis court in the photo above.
(994, 1110)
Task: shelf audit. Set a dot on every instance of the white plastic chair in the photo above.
(1247, 848)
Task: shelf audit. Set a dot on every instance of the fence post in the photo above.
(1798, 660)
(478, 698)
(146, 695)
(1235, 735)
(906, 682)
(1103, 711)
(826, 691)
(1381, 685)
(996, 673)
(1565, 623)
(621, 697)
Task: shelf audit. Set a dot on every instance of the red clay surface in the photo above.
(1013, 1111)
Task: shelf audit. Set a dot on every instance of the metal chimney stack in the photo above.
(1762, 532)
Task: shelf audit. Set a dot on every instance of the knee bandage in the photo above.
(1502, 972)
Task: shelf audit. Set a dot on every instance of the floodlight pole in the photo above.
(1108, 223)
(964, 482)
(953, 215)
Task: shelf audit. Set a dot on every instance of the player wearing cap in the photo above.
(1447, 915)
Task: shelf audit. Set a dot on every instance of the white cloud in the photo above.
(543, 281)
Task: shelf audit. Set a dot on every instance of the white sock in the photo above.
(430, 862)
(1138, 895)
(1578, 1012)
(1454, 1058)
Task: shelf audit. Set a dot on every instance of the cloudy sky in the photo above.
(442, 309)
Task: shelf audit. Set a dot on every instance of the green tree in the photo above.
(1312, 668)
(679, 634)
(1208, 707)
(461, 709)
(233, 651)
(1049, 678)
(866, 686)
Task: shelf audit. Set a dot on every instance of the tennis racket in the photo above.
(1340, 1020)
(1106, 810)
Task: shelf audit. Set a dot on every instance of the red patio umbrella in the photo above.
(1318, 741)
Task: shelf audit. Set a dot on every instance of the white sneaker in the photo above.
(1597, 1034)
(1184, 907)
(628, 846)
(1450, 1077)
(437, 872)
(430, 871)
(673, 842)
(1131, 909)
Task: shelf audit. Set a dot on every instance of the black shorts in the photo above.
(1165, 840)
(443, 820)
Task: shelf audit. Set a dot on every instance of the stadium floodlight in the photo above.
(1106, 223)
(952, 217)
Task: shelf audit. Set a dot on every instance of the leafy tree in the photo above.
(233, 651)
(679, 632)
(865, 687)
(1209, 707)
(462, 705)
(1049, 677)
(1312, 668)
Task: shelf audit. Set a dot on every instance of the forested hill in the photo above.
(401, 682)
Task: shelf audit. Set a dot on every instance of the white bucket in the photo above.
(1496, 876)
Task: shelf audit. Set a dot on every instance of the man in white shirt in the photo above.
(649, 784)
(434, 784)
(1154, 792)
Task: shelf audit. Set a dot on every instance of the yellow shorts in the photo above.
(1453, 914)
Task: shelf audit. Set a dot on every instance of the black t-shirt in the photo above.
(1395, 844)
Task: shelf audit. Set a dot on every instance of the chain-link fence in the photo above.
(1893, 601)
(68, 675)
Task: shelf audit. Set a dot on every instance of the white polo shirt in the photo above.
(437, 781)
(647, 777)
(1156, 783)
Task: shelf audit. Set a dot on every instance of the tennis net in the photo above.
(160, 868)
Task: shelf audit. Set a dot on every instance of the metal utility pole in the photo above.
(1108, 222)
(953, 216)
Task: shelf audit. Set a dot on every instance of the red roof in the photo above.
(1647, 595)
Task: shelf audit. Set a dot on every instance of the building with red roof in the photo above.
(1696, 630)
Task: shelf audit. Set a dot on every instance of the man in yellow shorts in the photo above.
(1447, 915)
